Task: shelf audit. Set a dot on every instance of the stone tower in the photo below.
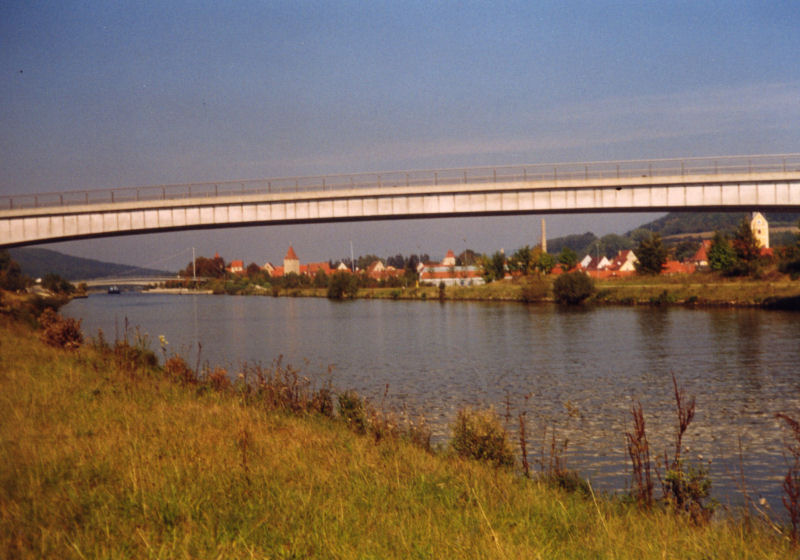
(760, 229)
(290, 262)
(544, 237)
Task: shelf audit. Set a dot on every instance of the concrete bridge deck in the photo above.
(769, 182)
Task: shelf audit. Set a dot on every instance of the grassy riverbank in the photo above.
(696, 289)
(107, 457)
(699, 289)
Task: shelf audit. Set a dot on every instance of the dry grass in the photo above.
(100, 461)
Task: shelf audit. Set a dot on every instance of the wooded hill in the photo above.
(36, 263)
(673, 227)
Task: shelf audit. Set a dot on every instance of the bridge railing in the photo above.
(468, 176)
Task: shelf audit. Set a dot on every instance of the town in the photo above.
(743, 252)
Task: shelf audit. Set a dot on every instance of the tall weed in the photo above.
(791, 482)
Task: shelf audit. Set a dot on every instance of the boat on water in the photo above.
(113, 289)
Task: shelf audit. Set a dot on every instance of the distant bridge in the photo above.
(764, 182)
(125, 281)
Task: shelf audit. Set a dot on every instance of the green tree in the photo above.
(686, 249)
(468, 257)
(573, 288)
(205, 267)
(651, 254)
(789, 258)
(257, 275)
(640, 234)
(568, 258)
(11, 277)
(542, 262)
(521, 261)
(320, 279)
(613, 243)
(747, 248)
(57, 284)
(342, 284)
(721, 256)
(494, 267)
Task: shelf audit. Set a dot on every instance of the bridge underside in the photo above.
(40, 225)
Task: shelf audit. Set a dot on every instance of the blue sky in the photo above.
(101, 94)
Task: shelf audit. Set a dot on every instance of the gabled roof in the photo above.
(312, 268)
(702, 253)
(375, 266)
(623, 257)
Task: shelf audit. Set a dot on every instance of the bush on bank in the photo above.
(573, 288)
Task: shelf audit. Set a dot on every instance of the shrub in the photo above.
(282, 388)
(176, 368)
(353, 411)
(322, 402)
(534, 289)
(573, 288)
(59, 331)
(137, 355)
(218, 379)
(479, 434)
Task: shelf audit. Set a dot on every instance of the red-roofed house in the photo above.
(700, 258)
(449, 274)
(677, 267)
(378, 271)
(623, 264)
(593, 263)
(236, 267)
(311, 269)
(272, 270)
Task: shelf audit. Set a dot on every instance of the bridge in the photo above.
(764, 182)
(125, 281)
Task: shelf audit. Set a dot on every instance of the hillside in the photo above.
(37, 262)
(676, 223)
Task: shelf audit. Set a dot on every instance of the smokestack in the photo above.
(544, 237)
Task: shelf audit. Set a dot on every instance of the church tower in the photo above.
(760, 229)
(290, 262)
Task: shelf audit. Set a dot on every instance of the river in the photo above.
(580, 368)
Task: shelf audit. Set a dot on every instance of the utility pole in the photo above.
(194, 269)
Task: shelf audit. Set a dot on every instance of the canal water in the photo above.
(580, 369)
